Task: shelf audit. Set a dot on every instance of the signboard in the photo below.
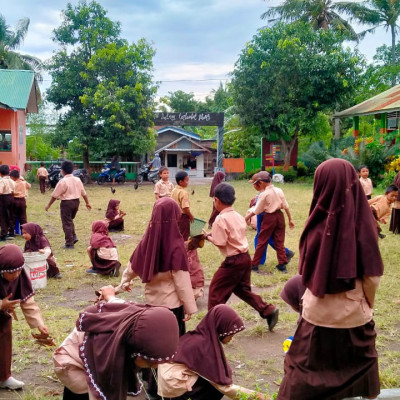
(189, 118)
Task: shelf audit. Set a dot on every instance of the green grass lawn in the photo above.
(61, 299)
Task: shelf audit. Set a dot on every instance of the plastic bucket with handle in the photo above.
(36, 268)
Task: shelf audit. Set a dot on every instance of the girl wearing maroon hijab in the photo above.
(200, 370)
(333, 353)
(15, 290)
(102, 251)
(115, 216)
(37, 241)
(395, 219)
(218, 178)
(100, 359)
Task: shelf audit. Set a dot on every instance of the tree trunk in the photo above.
(287, 149)
(393, 63)
(85, 157)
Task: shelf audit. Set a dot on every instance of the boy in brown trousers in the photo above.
(68, 190)
(228, 233)
(42, 175)
(7, 187)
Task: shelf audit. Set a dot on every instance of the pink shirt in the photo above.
(42, 171)
(21, 188)
(180, 195)
(229, 233)
(382, 207)
(69, 188)
(270, 200)
(7, 185)
(366, 185)
(163, 189)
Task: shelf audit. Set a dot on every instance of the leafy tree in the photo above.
(288, 74)
(320, 14)
(181, 101)
(378, 13)
(10, 40)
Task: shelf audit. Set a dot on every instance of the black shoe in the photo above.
(381, 235)
(57, 276)
(255, 268)
(68, 246)
(281, 268)
(92, 271)
(115, 272)
(76, 240)
(3, 238)
(289, 255)
(272, 319)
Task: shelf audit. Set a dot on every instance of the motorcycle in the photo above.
(82, 174)
(54, 175)
(107, 176)
(146, 174)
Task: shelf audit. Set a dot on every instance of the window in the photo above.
(5, 141)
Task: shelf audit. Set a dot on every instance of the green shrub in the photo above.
(302, 169)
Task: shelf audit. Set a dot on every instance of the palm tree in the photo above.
(378, 13)
(11, 40)
(321, 14)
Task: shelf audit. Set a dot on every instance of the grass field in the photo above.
(62, 299)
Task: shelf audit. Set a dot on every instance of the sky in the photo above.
(197, 42)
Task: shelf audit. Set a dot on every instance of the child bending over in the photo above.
(233, 276)
(163, 188)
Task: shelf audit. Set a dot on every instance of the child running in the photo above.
(180, 195)
(163, 188)
(15, 290)
(200, 369)
(18, 212)
(115, 216)
(102, 251)
(381, 206)
(233, 276)
(37, 241)
(366, 182)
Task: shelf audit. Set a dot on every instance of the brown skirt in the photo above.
(116, 225)
(395, 221)
(331, 364)
(104, 267)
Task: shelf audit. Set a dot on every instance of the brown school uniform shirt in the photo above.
(228, 233)
(180, 195)
(21, 188)
(7, 185)
(42, 172)
(270, 200)
(69, 188)
(367, 186)
(163, 189)
(382, 207)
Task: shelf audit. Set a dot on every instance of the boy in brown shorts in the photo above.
(228, 233)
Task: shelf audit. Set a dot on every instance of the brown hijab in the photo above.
(201, 349)
(111, 212)
(117, 333)
(396, 182)
(38, 239)
(100, 236)
(162, 247)
(12, 260)
(339, 242)
(218, 178)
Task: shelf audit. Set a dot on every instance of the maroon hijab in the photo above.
(162, 247)
(396, 182)
(218, 178)
(12, 260)
(111, 212)
(293, 291)
(38, 239)
(100, 236)
(339, 242)
(201, 349)
(115, 334)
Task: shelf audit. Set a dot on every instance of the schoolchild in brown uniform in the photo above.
(271, 201)
(42, 175)
(15, 290)
(228, 233)
(19, 197)
(163, 188)
(68, 190)
(7, 186)
(366, 182)
(180, 195)
(381, 206)
(115, 216)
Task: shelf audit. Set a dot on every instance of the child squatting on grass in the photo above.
(228, 233)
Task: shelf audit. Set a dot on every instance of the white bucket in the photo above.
(36, 268)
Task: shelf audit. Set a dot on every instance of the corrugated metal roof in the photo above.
(178, 130)
(16, 87)
(387, 101)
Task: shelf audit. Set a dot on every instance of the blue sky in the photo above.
(197, 41)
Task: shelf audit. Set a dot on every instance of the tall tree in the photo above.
(378, 13)
(288, 74)
(320, 14)
(10, 40)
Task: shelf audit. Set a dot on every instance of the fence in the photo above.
(95, 167)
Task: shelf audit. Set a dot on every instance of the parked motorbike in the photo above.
(54, 175)
(146, 174)
(82, 174)
(106, 175)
